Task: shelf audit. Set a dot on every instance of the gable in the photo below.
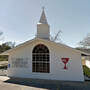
(24, 45)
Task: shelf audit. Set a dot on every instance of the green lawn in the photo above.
(86, 71)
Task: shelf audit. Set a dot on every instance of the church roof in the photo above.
(30, 41)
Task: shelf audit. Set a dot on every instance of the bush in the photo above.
(3, 67)
(3, 58)
(86, 71)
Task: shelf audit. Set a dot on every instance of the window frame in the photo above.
(40, 59)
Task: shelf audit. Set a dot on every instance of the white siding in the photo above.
(74, 72)
(43, 31)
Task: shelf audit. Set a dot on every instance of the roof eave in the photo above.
(4, 53)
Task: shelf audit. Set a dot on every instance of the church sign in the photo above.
(20, 62)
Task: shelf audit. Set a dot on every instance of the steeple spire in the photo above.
(43, 18)
(43, 29)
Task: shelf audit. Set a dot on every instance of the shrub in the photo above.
(86, 71)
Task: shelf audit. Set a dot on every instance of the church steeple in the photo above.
(43, 18)
(43, 31)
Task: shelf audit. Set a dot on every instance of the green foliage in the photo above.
(3, 67)
(86, 71)
(3, 58)
(4, 47)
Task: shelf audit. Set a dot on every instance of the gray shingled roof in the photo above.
(84, 50)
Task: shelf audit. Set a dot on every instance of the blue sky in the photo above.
(18, 19)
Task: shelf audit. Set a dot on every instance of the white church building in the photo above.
(41, 58)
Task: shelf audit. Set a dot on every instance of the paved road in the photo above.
(13, 84)
(19, 84)
(9, 86)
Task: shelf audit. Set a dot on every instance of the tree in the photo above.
(85, 43)
(56, 37)
(1, 33)
(4, 47)
(10, 44)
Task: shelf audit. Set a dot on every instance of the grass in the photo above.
(86, 71)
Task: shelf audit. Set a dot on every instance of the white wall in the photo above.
(74, 72)
(43, 31)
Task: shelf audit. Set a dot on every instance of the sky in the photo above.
(19, 18)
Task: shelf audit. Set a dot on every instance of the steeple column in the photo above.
(43, 29)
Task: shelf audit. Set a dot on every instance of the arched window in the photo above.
(40, 59)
